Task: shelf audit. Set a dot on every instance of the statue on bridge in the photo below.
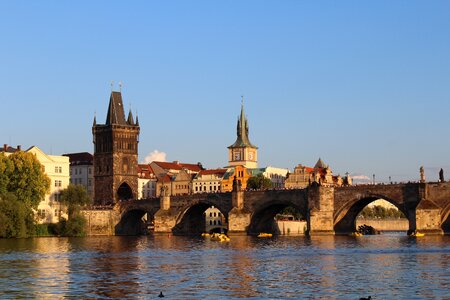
(422, 175)
(163, 191)
(441, 175)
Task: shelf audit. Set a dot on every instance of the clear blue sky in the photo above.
(364, 85)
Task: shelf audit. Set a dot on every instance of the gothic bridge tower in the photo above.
(243, 152)
(115, 154)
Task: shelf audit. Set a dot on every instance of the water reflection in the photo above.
(327, 267)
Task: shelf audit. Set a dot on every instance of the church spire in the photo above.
(116, 114)
(242, 130)
(130, 120)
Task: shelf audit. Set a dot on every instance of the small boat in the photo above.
(417, 234)
(220, 237)
(263, 234)
(356, 234)
(205, 234)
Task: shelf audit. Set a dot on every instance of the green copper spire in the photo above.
(242, 131)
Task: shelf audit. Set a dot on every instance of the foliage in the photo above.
(27, 179)
(290, 210)
(6, 168)
(74, 196)
(75, 226)
(380, 212)
(16, 218)
(259, 182)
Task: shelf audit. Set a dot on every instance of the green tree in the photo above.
(74, 197)
(27, 179)
(6, 168)
(259, 182)
(16, 218)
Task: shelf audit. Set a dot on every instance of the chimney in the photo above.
(5, 147)
(176, 162)
(19, 147)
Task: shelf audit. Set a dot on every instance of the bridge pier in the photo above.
(165, 218)
(320, 219)
(238, 218)
(428, 218)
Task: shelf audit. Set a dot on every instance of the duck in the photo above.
(161, 295)
(364, 298)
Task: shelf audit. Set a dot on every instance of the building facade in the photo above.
(208, 181)
(115, 155)
(175, 177)
(82, 170)
(321, 174)
(214, 220)
(242, 152)
(241, 173)
(146, 182)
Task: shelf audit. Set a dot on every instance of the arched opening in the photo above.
(279, 219)
(200, 218)
(373, 212)
(446, 221)
(124, 192)
(135, 222)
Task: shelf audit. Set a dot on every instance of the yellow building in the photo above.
(241, 173)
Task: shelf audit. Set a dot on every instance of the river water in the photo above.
(388, 266)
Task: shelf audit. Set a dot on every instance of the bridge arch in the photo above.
(345, 218)
(134, 222)
(263, 218)
(136, 216)
(445, 220)
(191, 219)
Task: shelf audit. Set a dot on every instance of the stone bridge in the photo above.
(327, 210)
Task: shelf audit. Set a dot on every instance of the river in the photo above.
(387, 266)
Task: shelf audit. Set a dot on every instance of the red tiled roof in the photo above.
(178, 166)
(145, 171)
(212, 172)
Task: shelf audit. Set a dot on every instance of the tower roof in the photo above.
(130, 120)
(242, 139)
(116, 114)
(320, 164)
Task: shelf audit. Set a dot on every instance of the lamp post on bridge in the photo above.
(373, 179)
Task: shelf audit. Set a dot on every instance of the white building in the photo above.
(146, 182)
(57, 169)
(81, 171)
(214, 220)
(208, 181)
(276, 175)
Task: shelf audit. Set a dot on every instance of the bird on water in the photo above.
(364, 298)
(161, 295)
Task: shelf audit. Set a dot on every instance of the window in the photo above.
(56, 212)
(89, 182)
(210, 214)
(58, 169)
(210, 222)
(58, 183)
